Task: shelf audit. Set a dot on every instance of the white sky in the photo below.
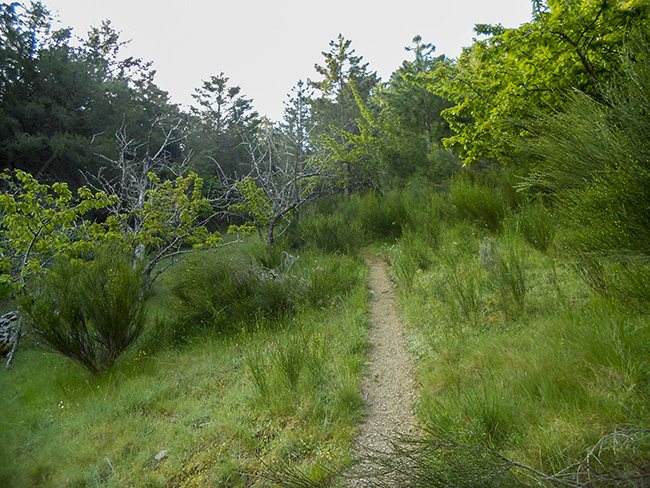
(266, 46)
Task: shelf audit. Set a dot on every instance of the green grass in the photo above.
(222, 421)
(519, 357)
(530, 361)
(533, 364)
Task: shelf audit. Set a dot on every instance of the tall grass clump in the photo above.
(427, 211)
(413, 255)
(536, 225)
(348, 223)
(329, 232)
(591, 269)
(478, 201)
(89, 312)
(507, 271)
(222, 296)
(545, 406)
(442, 164)
(531, 404)
(288, 359)
(380, 216)
(460, 289)
(218, 296)
(327, 277)
(624, 279)
(633, 282)
(271, 257)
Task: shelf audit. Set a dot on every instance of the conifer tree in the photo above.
(336, 105)
(223, 120)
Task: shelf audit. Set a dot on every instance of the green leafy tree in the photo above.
(593, 161)
(336, 110)
(390, 144)
(154, 217)
(41, 222)
(500, 82)
(81, 301)
(412, 114)
(173, 221)
(411, 107)
(356, 158)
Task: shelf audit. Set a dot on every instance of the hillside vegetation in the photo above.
(193, 289)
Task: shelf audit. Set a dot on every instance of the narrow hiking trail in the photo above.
(388, 386)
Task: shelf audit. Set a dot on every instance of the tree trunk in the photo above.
(270, 239)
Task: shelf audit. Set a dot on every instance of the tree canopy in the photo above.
(501, 81)
(80, 113)
(61, 104)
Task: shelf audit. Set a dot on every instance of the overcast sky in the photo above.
(266, 46)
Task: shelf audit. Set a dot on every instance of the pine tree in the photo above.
(337, 106)
(223, 119)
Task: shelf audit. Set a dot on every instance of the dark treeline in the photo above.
(533, 98)
(68, 106)
(508, 188)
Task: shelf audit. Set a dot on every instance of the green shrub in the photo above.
(442, 164)
(591, 270)
(536, 226)
(478, 202)
(350, 223)
(404, 269)
(89, 312)
(218, 296)
(259, 369)
(441, 460)
(224, 296)
(329, 232)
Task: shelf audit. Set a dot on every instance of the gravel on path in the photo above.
(388, 386)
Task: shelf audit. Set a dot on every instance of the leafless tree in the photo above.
(157, 206)
(128, 174)
(283, 176)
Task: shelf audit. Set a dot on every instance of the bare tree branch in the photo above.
(281, 178)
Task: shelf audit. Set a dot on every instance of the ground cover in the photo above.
(218, 408)
(533, 363)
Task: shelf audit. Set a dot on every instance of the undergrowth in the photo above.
(244, 368)
(533, 364)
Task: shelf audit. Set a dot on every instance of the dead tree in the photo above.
(159, 209)
(280, 180)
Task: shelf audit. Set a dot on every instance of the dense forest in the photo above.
(185, 288)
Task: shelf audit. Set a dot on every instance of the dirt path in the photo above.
(388, 386)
